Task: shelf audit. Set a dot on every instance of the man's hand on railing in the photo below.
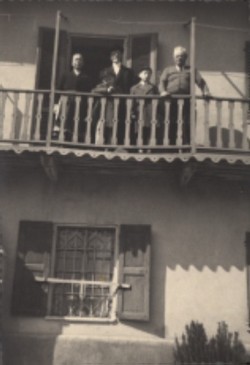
(164, 93)
(56, 110)
(206, 94)
(110, 89)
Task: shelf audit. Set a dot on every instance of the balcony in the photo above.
(219, 130)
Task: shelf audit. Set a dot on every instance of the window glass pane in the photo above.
(83, 253)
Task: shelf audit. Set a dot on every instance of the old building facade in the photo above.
(110, 250)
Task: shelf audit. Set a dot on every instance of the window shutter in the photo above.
(45, 47)
(45, 51)
(134, 266)
(142, 51)
(247, 62)
(248, 272)
(29, 295)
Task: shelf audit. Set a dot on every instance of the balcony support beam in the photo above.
(192, 85)
(49, 166)
(187, 173)
(53, 78)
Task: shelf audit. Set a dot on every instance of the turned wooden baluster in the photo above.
(25, 135)
(231, 124)
(115, 121)
(180, 122)
(140, 123)
(38, 117)
(219, 125)
(63, 102)
(89, 119)
(76, 118)
(14, 115)
(166, 123)
(206, 123)
(2, 112)
(153, 122)
(244, 107)
(99, 139)
(128, 121)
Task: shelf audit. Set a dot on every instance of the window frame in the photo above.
(247, 72)
(114, 283)
(31, 278)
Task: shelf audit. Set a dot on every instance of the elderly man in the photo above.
(175, 80)
(74, 80)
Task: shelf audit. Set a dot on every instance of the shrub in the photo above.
(195, 347)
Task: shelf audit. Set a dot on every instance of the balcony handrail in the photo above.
(222, 98)
(26, 91)
(126, 96)
(75, 93)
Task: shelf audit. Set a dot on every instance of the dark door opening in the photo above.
(96, 52)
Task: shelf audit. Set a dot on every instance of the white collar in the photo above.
(76, 72)
(116, 67)
(178, 68)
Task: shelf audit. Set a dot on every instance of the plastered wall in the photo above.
(198, 252)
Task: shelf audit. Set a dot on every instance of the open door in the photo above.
(140, 51)
(45, 49)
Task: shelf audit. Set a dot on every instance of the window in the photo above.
(83, 254)
(82, 272)
(247, 63)
(247, 241)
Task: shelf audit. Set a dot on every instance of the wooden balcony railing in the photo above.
(129, 122)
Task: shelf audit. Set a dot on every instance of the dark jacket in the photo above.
(124, 80)
(72, 82)
(147, 89)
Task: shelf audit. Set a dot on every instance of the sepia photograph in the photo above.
(124, 182)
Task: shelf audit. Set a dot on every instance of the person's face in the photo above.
(77, 62)
(116, 57)
(145, 75)
(180, 58)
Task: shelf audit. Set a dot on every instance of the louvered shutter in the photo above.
(141, 51)
(134, 269)
(46, 38)
(247, 49)
(247, 241)
(29, 297)
(45, 49)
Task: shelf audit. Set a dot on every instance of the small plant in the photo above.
(195, 347)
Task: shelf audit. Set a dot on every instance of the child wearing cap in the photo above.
(144, 87)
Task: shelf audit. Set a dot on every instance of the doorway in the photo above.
(139, 50)
(96, 52)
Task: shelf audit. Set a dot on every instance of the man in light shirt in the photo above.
(175, 80)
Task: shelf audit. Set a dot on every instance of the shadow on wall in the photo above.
(225, 138)
(29, 349)
(20, 43)
(205, 223)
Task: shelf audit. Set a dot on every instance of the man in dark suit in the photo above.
(124, 79)
(74, 80)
